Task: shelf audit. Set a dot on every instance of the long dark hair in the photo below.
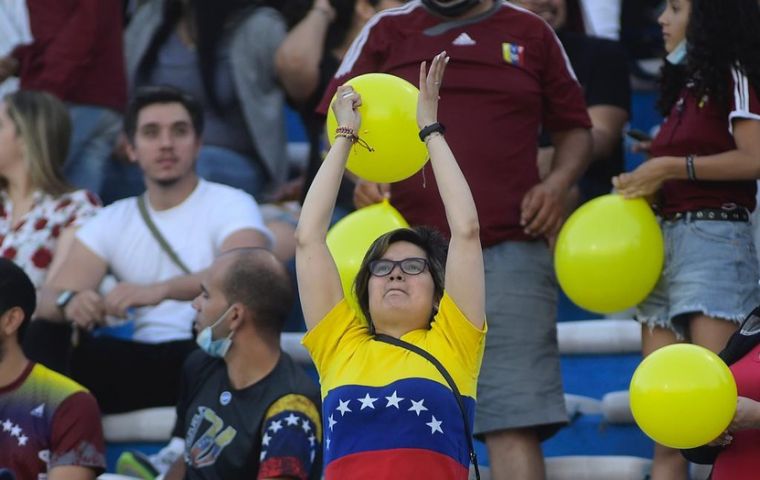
(427, 238)
(720, 36)
(211, 21)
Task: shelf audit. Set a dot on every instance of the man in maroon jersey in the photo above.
(49, 425)
(507, 78)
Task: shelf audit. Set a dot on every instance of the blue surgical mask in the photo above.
(205, 339)
(678, 55)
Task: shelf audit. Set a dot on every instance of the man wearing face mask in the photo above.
(508, 77)
(246, 410)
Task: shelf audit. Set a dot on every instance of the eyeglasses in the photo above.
(410, 266)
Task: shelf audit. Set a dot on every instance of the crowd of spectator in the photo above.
(176, 112)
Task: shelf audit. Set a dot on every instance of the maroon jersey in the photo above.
(47, 421)
(700, 126)
(508, 75)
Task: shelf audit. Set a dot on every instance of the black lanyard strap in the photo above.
(381, 337)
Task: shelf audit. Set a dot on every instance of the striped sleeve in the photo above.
(366, 53)
(744, 101)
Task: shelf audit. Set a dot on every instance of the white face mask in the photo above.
(205, 339)
(678, 55)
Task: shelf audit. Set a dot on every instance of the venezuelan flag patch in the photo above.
(512, 53)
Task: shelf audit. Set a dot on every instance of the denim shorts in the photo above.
(520, 384)
(710, 268)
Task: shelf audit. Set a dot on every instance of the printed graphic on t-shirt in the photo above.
(207, 437)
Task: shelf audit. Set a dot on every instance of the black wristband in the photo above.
(433, 127)
(691, 174)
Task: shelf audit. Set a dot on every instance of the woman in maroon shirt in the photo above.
(705, 160)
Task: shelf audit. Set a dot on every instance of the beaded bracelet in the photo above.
(348, 132)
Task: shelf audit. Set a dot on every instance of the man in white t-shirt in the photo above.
(196, 220)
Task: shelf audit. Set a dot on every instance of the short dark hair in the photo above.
(153, 94)
(260, 282)
(427, 238)
(16, 290)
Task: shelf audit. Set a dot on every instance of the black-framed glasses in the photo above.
(410, 266)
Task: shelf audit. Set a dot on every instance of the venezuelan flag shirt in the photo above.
(388, 412)
(48, 421)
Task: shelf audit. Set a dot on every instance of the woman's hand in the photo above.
(347, 101)
(430, 85)
(723, 440)
(642, 182)
(325, 8)
(747, 415)
(643, 147)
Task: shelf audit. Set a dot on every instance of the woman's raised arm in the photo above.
(465, 281)
(318, 280)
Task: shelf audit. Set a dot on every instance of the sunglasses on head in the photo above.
(410, 266)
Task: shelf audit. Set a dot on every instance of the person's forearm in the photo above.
(572, 155)
(298, 57)
(608, 122)
(320, 200)
(457, 198)
(46, 304)
(183, 287)
(727, 166)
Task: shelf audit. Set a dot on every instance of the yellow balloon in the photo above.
(683, 396)
(389, 126)
(609, 254)
(350, 238)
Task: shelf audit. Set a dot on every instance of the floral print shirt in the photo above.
(32, 241)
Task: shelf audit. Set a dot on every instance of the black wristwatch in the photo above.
(433, 127)
(64, 298)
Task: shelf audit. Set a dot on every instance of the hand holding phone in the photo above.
(638, 135)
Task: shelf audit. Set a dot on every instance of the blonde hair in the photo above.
(44, 125)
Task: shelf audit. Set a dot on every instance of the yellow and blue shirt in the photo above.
(388, 412)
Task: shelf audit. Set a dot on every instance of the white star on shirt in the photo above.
(265, 440)
(417, 407)
(343, 407)
(7, 425)
(393, 400)
(15, 431)
(22, 440)
(331, 422)
(367, 402)
(435, 425)
(263, 455)
(312, 439)
(306, 426)
(312, 455)
(291, 419)
(327, 443)
(276, 426)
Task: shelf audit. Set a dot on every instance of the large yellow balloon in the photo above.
(609, 254)
(350, 238)
(683, 396)
(389, 126)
